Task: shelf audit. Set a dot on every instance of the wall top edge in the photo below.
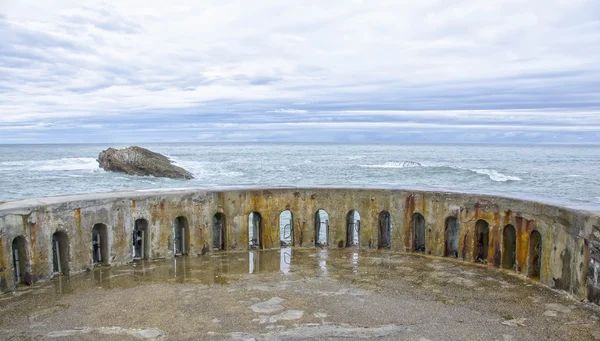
(24, 205)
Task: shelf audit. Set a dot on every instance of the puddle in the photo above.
(293, 294)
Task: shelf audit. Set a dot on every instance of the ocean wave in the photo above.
(76, 163)
(494, 175)
(403, 164)
(205, 169)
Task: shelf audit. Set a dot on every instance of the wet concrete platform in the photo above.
(294, 294)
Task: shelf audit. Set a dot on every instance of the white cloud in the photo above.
(222, 60)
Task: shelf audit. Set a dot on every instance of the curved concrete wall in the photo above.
(570, 239)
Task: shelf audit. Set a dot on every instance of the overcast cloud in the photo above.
(339, 71)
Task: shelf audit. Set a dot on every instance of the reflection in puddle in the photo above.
(180, 271)
(285, 262)
(251, 262)
(215, 269)
(62, 286)
(323, 254)
(244, 290)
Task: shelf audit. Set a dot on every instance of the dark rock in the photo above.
(140, 161)
(28, 279)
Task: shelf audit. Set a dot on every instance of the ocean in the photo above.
(561, 174)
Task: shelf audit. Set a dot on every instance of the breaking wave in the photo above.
(495, 175)
(77, 163)
(203, 170)
(403, 164)
(65, 164)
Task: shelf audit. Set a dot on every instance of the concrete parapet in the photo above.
(42, 237)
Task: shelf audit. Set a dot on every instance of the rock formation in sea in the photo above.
(140, 161)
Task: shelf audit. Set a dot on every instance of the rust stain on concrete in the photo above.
(119, 211)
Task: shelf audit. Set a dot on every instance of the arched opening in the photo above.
(219, 231)
(181, 233)
(451, 229)
(352, 228)
(286, 228)
(509, 251)
(140, 240)
(418, 230)
(321, 227)
(255, 230)
(385, 230)
(535, 255)
(20, 259)
(482, 230)
(99, 244)
(60, 253)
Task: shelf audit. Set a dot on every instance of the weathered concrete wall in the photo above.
(570, 247)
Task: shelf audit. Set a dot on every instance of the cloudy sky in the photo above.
(339, 71)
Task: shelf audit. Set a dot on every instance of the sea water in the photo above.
(562, 174)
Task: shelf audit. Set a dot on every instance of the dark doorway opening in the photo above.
(482, 230)
(418, 228)
(510, 247)
(385, 230)
(535, 255)
(451, 237)
(219, 231)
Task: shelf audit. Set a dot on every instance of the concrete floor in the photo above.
(295, 294)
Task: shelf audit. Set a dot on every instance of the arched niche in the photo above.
(535, 255)
(451, 234)
(255, 230)
(219, 231)
(141, 239)
(418, 232)
(181, 236)
(482, 240)
(20, 259)
(321, 228)
(286, 228)
(100, 253)
(60, 253)
(509, 247)
(385, 230)
(352, 228)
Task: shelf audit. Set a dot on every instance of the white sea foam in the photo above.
(203, 170)
(495, 175)
(77, 163)
(403, 164)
